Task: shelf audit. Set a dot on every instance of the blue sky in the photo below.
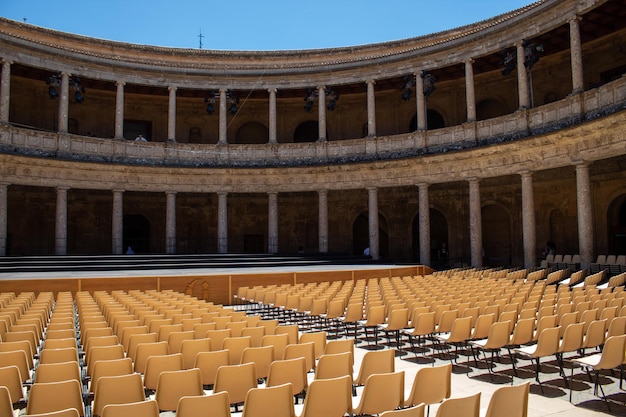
(253, 24)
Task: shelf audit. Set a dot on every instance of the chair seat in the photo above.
(591, 360)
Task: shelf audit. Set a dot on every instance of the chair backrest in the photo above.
(173, 385)
(235, 347)
(275, 401)
(382, 392)
(236, 380)
(127, 332)
(398, 319)
(217, 337)
(22, 345)
(572, 338)
(269, 325)
(431, 385)
(375, 362)
(12, 380)
(236, 327)
(461, 330)
(415, 411)
(135, 339)
(119, 389)
(340, 346)
(112, 367)
(375, 316)
(509, 401)
(318, 338)
(460, 407)
(423, 324)
(334, 365)
(91, 342)
(160, 363)
(291, 371)
(303, 350)
(218, 403)
(523, 332)
(482, 326)
(547, 343)
(55, 372)
(136, 409)
(595, 334)
(278, 341)
(209, 362)
(612, 353)
(289, 329)
(68, 412)
(499, 334)
(16, 358)
(145, 350)
(261, 356)
(328, 397)
(46, 397)
(190, 348)
(256, 334)
(175, 340)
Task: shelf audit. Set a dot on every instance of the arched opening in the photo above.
(136, 233)
(434, 120)
(361, 239)
(306, 132)
(617, 225)
(252, 132)
(439, 257)
(490, 108)
(496, 230)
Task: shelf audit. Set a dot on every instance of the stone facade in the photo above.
(504, 163)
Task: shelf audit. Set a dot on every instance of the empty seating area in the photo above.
(321, 348)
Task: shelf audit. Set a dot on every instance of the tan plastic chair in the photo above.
(21, 345)
(460, 407)
(218, 403)
(113, 367)
(145, 350)
(278, 341)
(375, 362)
(292, 371)
(416, 411)
(16, 358)
(292, 330)
(270, 325)
(302, 350)
(398, 319)
(459, 334)
(56, 372)
(235, 347)
(255, 333)
(135, 339)
(374, 319)
(572, 341)
(334, 365)
(190, 349)
(160, 363)
(236, 327)
(175, 340)
(236, 380)
(318, 338)
(430, 386)
(328, 398)
(498, 338)
(136, 409)
(120, 389)
(91, 342)
(46, 397)
(12, 380)
(612, 356)
(354, 314)
(273, 401)
(547, 345)
(217, 337)
(511, 401)
(59, 355)
(68, 412)
(595, 335)
(261, 356)
(382, 392)
(209, 362)
(127, 332)
(99, 353)
(340, 346)
(173, 385)
(423, 326)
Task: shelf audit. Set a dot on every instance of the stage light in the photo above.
(429, 83)
(209, 100)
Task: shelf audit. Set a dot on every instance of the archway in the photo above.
(136, 233)
(496, 230)
(434, 120)
(306, 132)
(361, 239)
(252, 132)
(616, 221)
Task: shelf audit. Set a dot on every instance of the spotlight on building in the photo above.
(332, 97)
(54, 82)
(209, 100)
(509, 61)
(233, 100)
(429, 83)
(407, 87)
(310, 99)
(54, 85)
(531, 54)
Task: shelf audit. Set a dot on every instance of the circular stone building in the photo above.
(471, 146)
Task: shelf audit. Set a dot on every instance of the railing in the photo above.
(575, 109)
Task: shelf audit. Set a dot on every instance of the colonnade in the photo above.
(524, 95)
(584, 210)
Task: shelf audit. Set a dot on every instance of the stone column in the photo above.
(322, 219)
(372, 207)
(272, 138)
(170, 222)
(171, 115)
(470, 94)
(119, 110)
(371, 109)
(529, 233)
(118, 222)
(476, 232)
(321, 111)
(3, 217)
(522, 77)
(585, 214)
(223, 118)
(576, 55)
(222, 222)
(60, 231)
(272, 223)
(5, 91)
(64, 102)
(421, 102)
(424, 223)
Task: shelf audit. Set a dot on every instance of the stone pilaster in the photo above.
(272, 133)
(118, 222)
(322, 217)
(222, 222)
(470, 94)
(119, 110)
(372, 207)
(272, 223)
(60, 231)
(371, 109)
(424, 223)
(5, 91)
(529, 233)
(321, 111)
(585, 213)
(170, 222)
(476, 232)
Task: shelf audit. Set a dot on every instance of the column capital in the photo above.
(272, 193)
(322, 192)
(222, 193)
(62, 188)
(574, 19)
(469, 61)
(581, 163)
(525, 173)
(422, 185)
(370, 82)
(171, 192)
(473, 180)
(120, 83)
(4, 184)
(223, 90)
(321, 87)
(172, 88)
(272, 90)
(6, 61)
(118, 190)
(370, 189)
(519, 43)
